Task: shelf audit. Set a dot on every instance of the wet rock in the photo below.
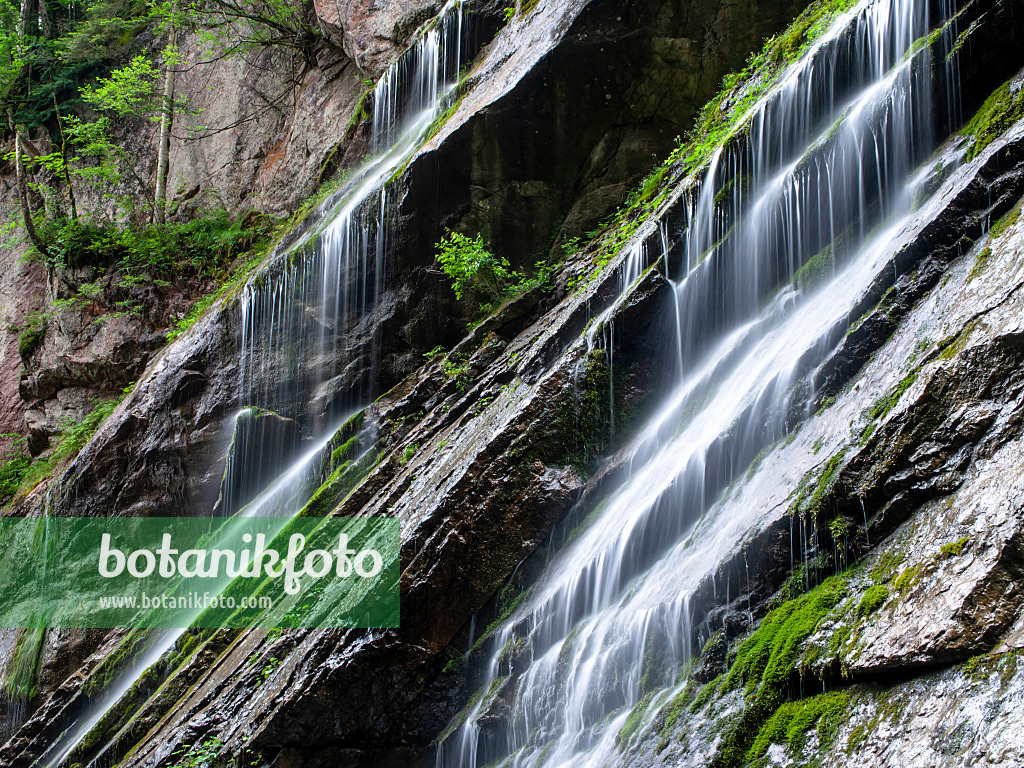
(263, 445)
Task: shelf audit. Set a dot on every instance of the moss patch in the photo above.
(766, 661)
(997, 115)
(816, 485)
(794, 719)
(872, 600)
(954, 548)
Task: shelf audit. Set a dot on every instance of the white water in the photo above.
(325, 287)
(828, 164)
(329, 280)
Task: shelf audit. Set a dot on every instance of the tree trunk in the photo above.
(26, 212)
(166, 122)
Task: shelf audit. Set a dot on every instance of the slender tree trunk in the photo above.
(25, 18)
(166, 123)
(19, 174)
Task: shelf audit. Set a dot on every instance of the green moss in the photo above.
(19, 683)
(766, 661)
(907, 579)
(1006, 222)
(999, 112)
(633, 722)
(885, 569)
(340, 482)
(344, 451)
(980, 263)
(680, 702)
(882, 407)
(818, 269)
(950, 347)
(975, 667)
(707, 690)
(582, 431)
(794, 719)
(722, 118)
(954, 548)
(873, 599)
(816, 485)
(32, 335)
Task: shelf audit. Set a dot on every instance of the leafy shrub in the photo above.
(201, 246)
(13, 467)
(470, 264)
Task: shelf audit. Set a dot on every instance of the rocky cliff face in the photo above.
(857, 591)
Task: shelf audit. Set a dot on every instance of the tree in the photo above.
(166, 120)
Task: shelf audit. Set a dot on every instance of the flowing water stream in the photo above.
(824, 177)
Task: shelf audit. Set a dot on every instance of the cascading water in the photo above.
(307, 326)
(822, 174)
(298, 312)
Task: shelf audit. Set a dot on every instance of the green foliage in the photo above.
(75, 435)
(130, 91)
(1006, 221)
(272, 664)
(13, 467)
(839, 527)
(791, 723)
(457, 371)
(201, 755)
(470, 265)
(408, 453)
(67, 444)
(200, 247)
(873, 599)
(438, 350)
(32, 334)
(954, 548)
(766, 660)
(999, 112)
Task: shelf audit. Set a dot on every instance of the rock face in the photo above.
(369, 31)
(487, 451)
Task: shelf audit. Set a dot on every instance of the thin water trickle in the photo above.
(822, 179)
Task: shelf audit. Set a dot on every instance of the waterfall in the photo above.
(822, 175)
(307, 322)
(296, 314)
